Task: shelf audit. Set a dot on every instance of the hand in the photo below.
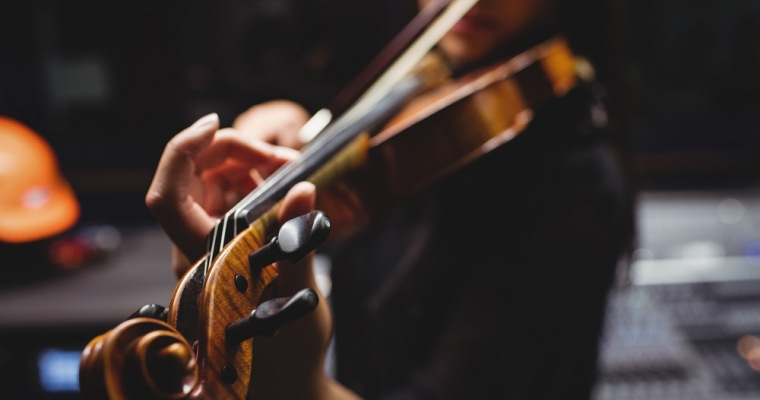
(276, 122)
(202, 173)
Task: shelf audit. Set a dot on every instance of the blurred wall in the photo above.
(108, 83)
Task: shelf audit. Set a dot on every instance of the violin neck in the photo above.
(318, 155)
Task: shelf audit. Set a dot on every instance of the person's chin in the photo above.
(461, 51)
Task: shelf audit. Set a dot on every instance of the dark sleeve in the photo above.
(526, 307)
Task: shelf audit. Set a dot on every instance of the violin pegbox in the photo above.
(231, 307)
(295, 238)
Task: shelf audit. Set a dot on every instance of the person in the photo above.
(491, 283)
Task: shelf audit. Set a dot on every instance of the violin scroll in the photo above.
(140, 359)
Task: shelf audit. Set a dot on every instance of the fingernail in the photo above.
(206, 122)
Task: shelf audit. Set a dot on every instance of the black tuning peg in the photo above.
(296, 238)
(151, 311)
(268, 317)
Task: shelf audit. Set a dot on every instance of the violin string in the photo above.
(381, 88)
(558, 78)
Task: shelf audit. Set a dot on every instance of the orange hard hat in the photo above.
(36, 201)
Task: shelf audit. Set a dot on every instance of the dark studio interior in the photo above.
(107, 84)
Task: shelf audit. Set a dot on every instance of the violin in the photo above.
(365, 160)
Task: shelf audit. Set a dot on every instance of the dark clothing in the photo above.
(492, 283)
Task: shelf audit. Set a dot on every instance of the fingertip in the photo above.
(207, 121)
(204, 129)
(305, 188)
(194, 139)
(299, 200)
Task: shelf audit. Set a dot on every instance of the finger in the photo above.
(225, 186)
(180, 263)
(299, 200)
(229, 144)
(276, 122)
(211, 194)
(234, 174)
(168, 196)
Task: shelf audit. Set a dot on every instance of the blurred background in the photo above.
(106, 84)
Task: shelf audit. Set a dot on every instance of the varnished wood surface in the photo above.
(448, 127)
(183, 307)
(122, 363)
(222, 303)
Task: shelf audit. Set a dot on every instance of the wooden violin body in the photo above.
(444, 129)
(434, 134)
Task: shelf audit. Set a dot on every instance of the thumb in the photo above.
(300, 200)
